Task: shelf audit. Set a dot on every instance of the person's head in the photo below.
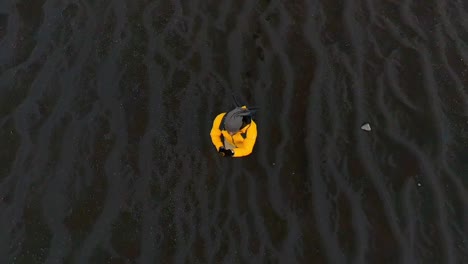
(237, 119)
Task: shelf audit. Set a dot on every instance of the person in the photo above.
(234, 133)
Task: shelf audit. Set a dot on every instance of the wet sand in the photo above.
(106, 109)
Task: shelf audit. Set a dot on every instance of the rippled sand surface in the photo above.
(106, 108)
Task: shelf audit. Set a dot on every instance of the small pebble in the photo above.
(419, 184)
(366, 127)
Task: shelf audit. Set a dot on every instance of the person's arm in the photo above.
(216, 132)
(249, 142)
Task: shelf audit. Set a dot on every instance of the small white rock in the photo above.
(366, 127)
(273, 164)
(419, 184)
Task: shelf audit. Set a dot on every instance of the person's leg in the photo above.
(228, 145)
